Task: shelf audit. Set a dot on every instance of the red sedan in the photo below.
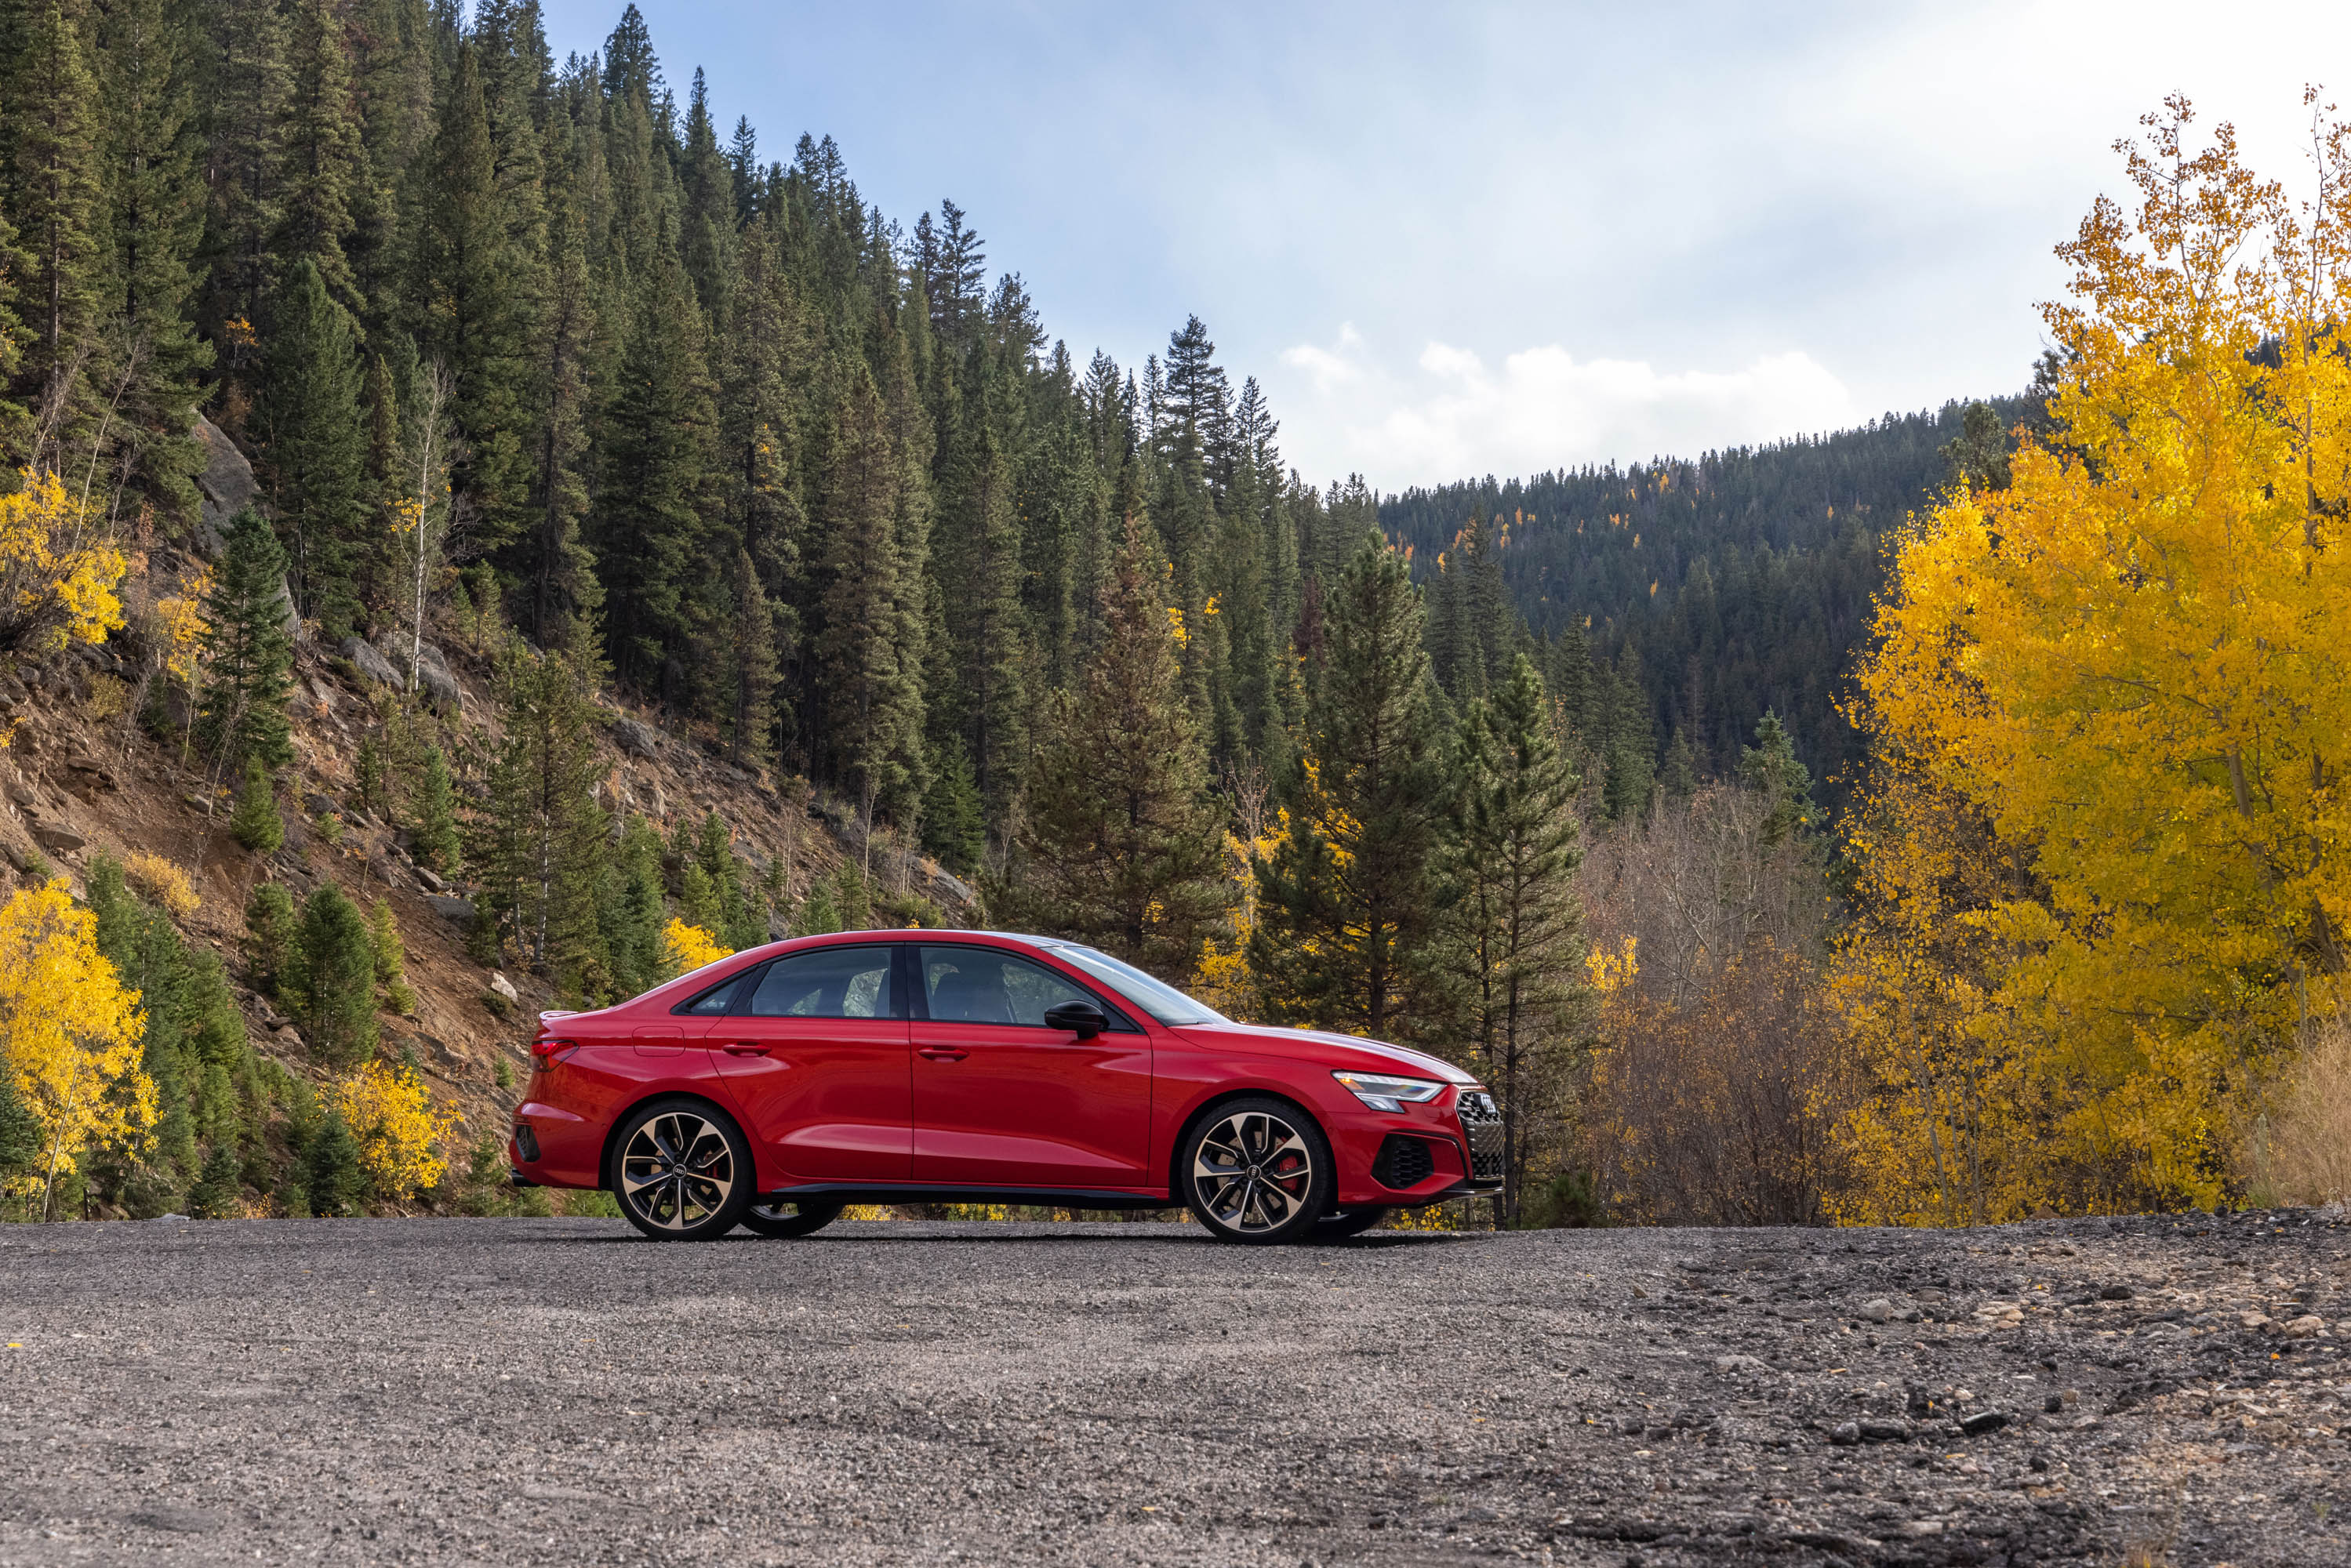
(773, 1087)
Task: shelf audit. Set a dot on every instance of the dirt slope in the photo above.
(80, 773)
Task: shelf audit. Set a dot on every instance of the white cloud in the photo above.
(1453, 416)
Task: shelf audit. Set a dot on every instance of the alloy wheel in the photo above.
(677, 1171)
(1253, 1171)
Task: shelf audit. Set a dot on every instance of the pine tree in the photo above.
(1346, 924)
(1515, 914)
(873, 708)
(245, 108)
(219, 1190)
(52, 194)
(474, 294)
(155, 219)
(336, 1184)
(20, 1130)
(438, 845)
(306, 420)
(331, 984)
(631, 908)
(249, 655)
(751, 714)
(539, 845)
(391, 959)
(954, 831)
(656, 468)
(271, 937)
(1769, 767)
(256, 822)
(1120, 845)
(323, 153)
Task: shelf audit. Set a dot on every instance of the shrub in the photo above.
(332, 986)
(163, 883)
(256, 823)
(398, 1127)
(269, 938)
(2310, 1138)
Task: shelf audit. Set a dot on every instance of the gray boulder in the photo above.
(225, 487)
(457, 912)
(368, 662)
(440, 687)
(635, 738)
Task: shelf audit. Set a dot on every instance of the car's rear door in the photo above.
(1000, 1100)
(813, 1050)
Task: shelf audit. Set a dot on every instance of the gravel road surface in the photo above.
(561, 1392)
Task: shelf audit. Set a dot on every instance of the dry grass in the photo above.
(163, 882)
(2310, 1138)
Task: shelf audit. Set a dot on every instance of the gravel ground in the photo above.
(559, 1391)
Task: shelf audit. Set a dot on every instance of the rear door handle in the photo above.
(746, 1048)
(942, 1052)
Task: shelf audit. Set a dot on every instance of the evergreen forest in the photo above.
(1704, 806)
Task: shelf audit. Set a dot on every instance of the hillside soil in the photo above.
(80, 773)
(559, 1391)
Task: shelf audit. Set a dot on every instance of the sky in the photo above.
(1463, 239)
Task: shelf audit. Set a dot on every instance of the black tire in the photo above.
(1353, 1222)
(1255, 1171)
(789, 1218)
(682, 1170)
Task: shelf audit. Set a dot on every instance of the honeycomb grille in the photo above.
(1481, 1128)
(1403, 1161)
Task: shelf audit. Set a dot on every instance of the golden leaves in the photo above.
(57, 575)
(398, 1127)
(70, 1031)
(688, 947)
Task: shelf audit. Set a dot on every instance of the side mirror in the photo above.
(1082, 1019)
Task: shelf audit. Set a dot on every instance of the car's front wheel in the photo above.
(1256, 1171)
(681, 1171)
(787, 1218)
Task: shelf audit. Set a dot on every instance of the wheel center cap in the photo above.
(1254, 1170)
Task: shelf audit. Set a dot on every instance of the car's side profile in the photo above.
(773, 1087)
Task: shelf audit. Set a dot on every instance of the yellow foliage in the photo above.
(2129, 662)
(163, 882)
(57, 573)
(181, 626)
(688, 947)
(1611, 973)
(70, 1031)
(398, 1127)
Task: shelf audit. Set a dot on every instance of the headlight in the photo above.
(1385, 1094)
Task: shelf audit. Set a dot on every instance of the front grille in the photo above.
(1403, 1161)
(1482, 1127)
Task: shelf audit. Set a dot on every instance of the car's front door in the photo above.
(813, 1050)
(1003, 1100)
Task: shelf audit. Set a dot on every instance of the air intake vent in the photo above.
(1403, 1161)
(526, 1142)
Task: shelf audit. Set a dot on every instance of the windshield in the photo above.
(1161, 1000)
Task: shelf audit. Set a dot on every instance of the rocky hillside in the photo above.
(96, 760)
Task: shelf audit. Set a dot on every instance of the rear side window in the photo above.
(824, 983)
(712, 1002)
(986, 985)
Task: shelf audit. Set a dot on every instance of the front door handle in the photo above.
(942, 1052)
(746, 1048)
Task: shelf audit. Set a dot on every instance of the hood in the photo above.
(1345, 1049)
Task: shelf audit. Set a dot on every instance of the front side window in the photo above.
(823, 983)
(983, 985)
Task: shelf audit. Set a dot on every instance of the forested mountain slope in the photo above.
(1717, 588)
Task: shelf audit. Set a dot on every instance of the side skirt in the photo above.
(1047, 1197)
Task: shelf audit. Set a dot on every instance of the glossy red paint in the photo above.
(971, 1102)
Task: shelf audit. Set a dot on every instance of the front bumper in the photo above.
(1422, 1154)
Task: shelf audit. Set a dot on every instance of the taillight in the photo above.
(545, 1049)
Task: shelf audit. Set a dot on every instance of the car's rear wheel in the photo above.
(787, 1218)
(1256, 1171)
(681, 1171)
(1353, 1222)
